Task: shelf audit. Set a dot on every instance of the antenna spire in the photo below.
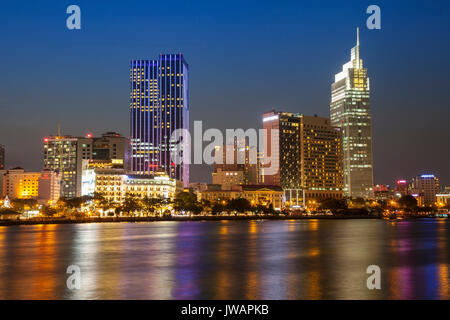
(357, 36)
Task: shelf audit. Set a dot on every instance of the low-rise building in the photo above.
(115, 185)
(382, 192)
(19, 184)
(228, 178)
(442, 199)
(256, 194)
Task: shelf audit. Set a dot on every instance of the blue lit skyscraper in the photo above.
(159, 104)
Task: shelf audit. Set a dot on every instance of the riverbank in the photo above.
(183, 218)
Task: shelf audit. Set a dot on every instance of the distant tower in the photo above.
(159, 104)
(350, 110)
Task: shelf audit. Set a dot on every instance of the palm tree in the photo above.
(130, 205)
(150, 205)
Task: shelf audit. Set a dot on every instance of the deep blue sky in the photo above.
(245, 57)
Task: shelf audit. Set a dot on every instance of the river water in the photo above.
(282, 259)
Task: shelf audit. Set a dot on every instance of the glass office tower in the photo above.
(350, 110)
(159, 104)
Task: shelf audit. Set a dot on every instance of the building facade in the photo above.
(255, 194)
(382, 192)
(235, 164)
(65, 154)
(425, 188)
(350, 110)
(61, 155)
(115, 185)
(19, 184)
(159, 104)
(401, 187)
(49, 187)
(308, 151)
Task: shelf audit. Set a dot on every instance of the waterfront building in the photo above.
(442, 199)
(65, 154)
(20, 184)
(425, 188)
(159, 104)
(350, 110)
(255, 194)
(308, 152)
(2, 157)
(115, 185)
(382, 192)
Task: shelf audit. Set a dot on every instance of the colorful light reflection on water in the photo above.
(291, 259)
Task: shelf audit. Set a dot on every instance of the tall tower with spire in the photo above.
(350, 111)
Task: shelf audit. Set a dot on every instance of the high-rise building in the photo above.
(61, 155)
(2, 157)
(111, 146)
(350, 110)
(159, 104)
(65, 154)
(308, 152)
(424, 188)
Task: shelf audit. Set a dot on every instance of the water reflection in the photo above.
(292, 259)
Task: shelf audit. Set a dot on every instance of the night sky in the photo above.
(245, 57)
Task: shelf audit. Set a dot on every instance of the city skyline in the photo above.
(395, 133)
(197, 154)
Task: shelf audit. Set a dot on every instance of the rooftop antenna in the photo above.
(357, 36)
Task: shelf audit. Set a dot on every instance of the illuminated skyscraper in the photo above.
(308, 152)
(350, 110)
(159, 104)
